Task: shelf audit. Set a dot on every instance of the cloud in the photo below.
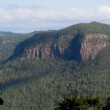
(25, 18)
(47, 14)
(79, 13)
(5, 16)
(104, 11)
(21, 13)
(40, 18)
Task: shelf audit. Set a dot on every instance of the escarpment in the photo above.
(44, 52)
(80, 48)
(92, 44)
(64, 44)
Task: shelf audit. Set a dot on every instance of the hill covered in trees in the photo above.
(48, 65)
(83, 103)
(8, 42)
(80, 42)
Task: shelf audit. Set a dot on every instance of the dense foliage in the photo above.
(40, 84)
(80, 103)
(89, 102)
(87, 28)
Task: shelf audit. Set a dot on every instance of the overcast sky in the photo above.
(34, 15)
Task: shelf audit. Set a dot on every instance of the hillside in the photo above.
(8, 42)
(80, 42)
(52, 64)
(39, 85)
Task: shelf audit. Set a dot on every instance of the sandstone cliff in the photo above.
(80, 42)
(84, 50)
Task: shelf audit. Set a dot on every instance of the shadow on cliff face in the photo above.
(39, 38)
(70, 53)
(73, 51)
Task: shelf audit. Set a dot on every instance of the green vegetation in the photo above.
(8, 42)
(32, 84)
(80, 103)
(65, 38)
(87, 28)
(89, 102)
(40, 84)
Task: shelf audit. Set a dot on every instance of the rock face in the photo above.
(81, 42)
(80, 48)
(92, 44)
(45, 51)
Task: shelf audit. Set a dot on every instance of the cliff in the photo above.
(64, 44)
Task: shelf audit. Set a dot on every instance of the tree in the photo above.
(107, 105)
(80, 103)
(1, 101)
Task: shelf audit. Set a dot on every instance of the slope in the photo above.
(80, 42)
(39, 84)
(8, 42)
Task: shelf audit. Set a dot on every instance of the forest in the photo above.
(41, 84)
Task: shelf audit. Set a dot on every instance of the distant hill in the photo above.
(8, 42)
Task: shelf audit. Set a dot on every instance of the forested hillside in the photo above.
(8, 42)
(39, 85)
(39, 73)
(80, 42)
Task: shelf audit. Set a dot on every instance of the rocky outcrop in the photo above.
(80, 48)
(92, 44)
(45, 51)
